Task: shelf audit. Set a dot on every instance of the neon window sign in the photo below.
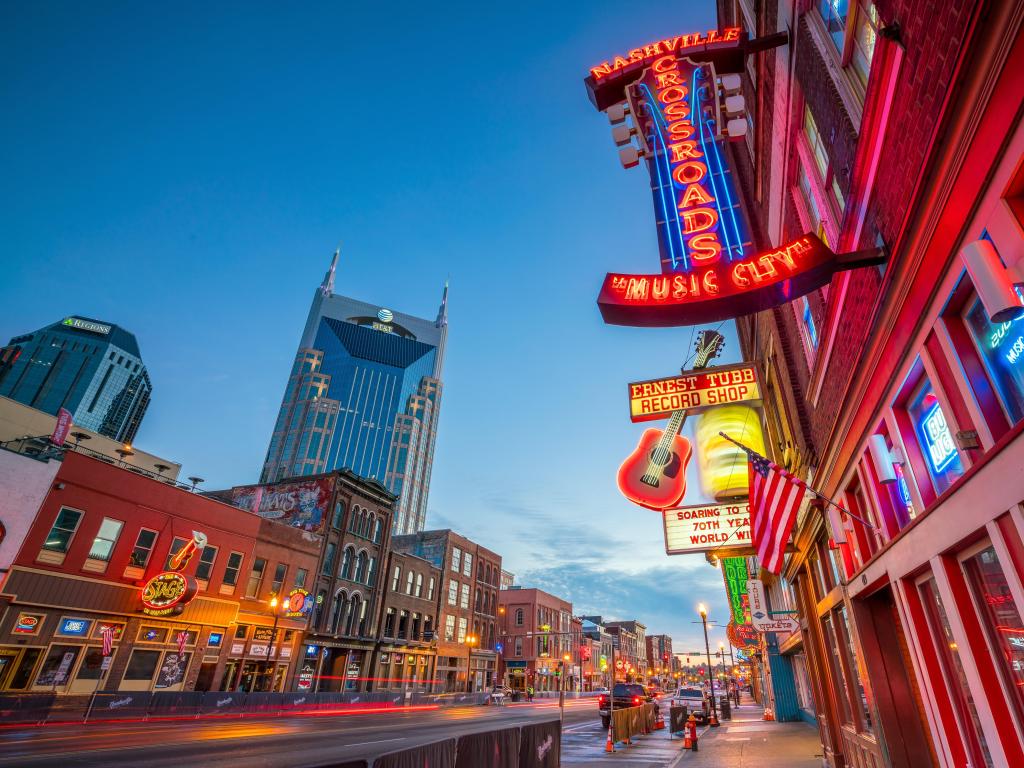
(938, 441)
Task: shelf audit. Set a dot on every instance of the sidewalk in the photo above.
(747, 741)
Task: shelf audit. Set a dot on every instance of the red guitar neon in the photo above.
(654, 475)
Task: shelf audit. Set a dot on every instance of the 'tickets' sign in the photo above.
(693, 391)
(707, 527)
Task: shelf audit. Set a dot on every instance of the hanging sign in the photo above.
(693, 391)
(710, 268)
(299, 603)
(168, 593)
(734, 571)
(761, 618)
(703, 528)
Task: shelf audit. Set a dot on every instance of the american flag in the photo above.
(108, 640)
(775, 498)
(182, 638)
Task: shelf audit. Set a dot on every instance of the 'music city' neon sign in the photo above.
(709, 270)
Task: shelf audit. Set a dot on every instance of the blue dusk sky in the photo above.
(187, 170)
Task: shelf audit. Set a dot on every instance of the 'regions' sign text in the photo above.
(658, 398)
(168, 593)
(707, 527)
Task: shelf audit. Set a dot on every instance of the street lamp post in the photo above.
(471, 640)
(273, 639)
(561, 692)
(707, 648)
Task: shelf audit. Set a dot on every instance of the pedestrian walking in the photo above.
(529, 693)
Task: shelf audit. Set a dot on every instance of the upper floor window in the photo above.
(852, 26)
(206, 560)
(453, 592)
(419, 585)
(519, 617)
(232, 568)
(105, 539)
(1001, 347)
(279, 573)
(815, 142)
(252, 588)
(396, 577)
(176, 546)
(864, 38)
(456, 559)
(467, 565)
(430, 589)
(808, 329)
(935, 437)
(143, 548)
(58, 540)
(408, 582)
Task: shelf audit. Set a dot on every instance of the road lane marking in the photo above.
(365, 743)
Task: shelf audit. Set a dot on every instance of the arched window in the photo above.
(337, 609)
(490, 637)
(396, 578)
(346, 563)
(519, 617)
(370, 520)
(353, 519)
(408, 582)
(371, 572)
(419, 585)
(361, 563)
(351, 621)
(362, 619)
(377, 530)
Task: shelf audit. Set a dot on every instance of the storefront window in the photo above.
(935, 438)
(23, 672)
(57, 666)
(956, 680)
(832, 640)
(833, 13)
(1001, 620)
(863, 692)
(142, 665)
(92, 665)
(1001, 347)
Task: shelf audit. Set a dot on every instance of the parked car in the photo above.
(624, 695)
(694, 700)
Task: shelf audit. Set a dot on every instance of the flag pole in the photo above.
(751, 452)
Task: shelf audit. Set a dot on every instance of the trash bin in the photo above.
(515, 695)
(724, 707)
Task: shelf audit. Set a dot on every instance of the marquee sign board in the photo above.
(693, 391)
(703, 528)
(168, 592)
(710, 268)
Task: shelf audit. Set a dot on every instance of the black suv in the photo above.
(624, 695)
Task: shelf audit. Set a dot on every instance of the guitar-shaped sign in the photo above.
(654, 475)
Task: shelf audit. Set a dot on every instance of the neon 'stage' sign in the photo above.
(710, 270)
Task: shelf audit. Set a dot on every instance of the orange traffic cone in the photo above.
(659, 722)
(609, 745)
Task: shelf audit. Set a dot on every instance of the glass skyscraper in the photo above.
(91, 368)
(363, 394)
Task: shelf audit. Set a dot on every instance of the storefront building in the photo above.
(405, 657)
(467, 607)
(349, 517)
(537, 636)
(110, 548)
(897, 391)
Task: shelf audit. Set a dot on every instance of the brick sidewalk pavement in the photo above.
(747, 741)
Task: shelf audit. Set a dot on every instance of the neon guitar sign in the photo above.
(654, 475)
(710, 269)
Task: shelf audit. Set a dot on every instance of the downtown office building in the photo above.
(89, 367)
(363, 394)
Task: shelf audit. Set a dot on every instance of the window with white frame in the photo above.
(453, 592)
(464, 599)
(852, 27)
(105, 539)
(456, 559)
(449, 628)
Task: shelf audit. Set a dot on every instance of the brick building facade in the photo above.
(894, 390)
(537, 632)
(467, 607)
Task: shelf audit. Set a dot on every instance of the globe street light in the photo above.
(273, 638)
(470, 641)
(703, 611)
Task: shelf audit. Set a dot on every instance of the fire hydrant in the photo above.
(690, 742)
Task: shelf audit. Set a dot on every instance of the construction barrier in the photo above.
(540, 745)
(439, 754)
(633, 721)
(118, 706)
(25, 709)
(495, 749)
(677, 718)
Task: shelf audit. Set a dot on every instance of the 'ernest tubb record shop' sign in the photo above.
(710, 269)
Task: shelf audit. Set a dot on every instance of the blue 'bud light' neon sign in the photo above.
(938, 441)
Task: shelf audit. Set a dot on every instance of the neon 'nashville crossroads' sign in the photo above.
(709, 270)
(693, 391)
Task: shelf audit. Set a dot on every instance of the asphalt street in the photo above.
(292, 740)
